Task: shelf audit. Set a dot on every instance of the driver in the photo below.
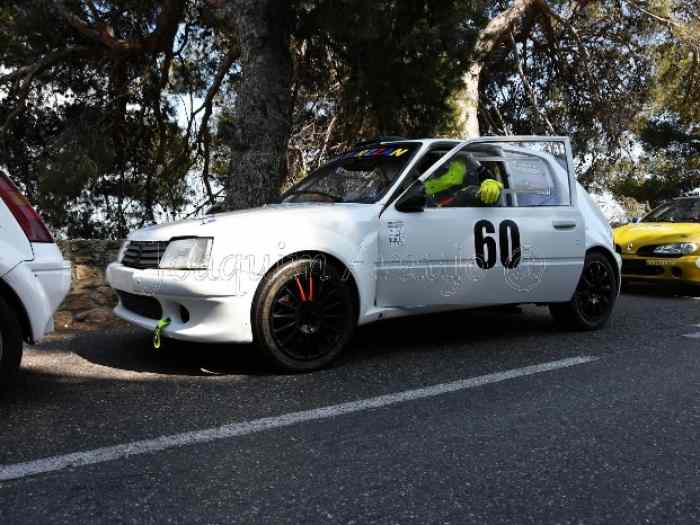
(451, 188)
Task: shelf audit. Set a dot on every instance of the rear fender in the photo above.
(31, 295)
(9, 257)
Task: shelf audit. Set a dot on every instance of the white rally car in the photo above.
(390, 229)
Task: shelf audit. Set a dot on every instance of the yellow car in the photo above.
(664, 245)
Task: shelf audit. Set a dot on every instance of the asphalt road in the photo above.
(607, 434)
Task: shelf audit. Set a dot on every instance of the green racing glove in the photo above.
(490, 191)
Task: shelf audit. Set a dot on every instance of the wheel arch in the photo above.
(605, 251)
(11, 297)
(343, 268)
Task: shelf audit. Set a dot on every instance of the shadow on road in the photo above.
(133, 350)
(660, 290)
(69, 366)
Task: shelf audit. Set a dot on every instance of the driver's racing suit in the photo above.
(459, 186)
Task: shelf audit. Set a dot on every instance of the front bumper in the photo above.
(201, 308)
(682, 270)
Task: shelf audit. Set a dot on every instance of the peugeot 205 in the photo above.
(389, 229)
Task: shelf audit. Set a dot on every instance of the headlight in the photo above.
(122, 251)
(187, 254)
(682, 248)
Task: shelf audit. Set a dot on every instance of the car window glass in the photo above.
(685, 210)
(531, 174)
(359, 176)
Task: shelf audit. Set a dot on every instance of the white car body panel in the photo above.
(36, 273)
(248, 243)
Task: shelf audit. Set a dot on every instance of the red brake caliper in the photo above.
(304, 297)
(301, 289)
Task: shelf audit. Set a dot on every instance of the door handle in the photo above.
(564, 225)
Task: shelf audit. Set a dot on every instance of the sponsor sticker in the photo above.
(390, 152)
(395, 234)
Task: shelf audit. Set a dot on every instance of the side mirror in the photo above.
(414, 201)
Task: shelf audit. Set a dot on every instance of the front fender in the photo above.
(356, 250)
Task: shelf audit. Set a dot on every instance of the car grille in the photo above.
(648, 251)
(144, 254)
(141, 305)
(640, 267)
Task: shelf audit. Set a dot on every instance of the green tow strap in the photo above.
(156, 335)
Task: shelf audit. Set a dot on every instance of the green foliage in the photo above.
(112, 112)
(99, 144)
(669, 131)
(385, 67)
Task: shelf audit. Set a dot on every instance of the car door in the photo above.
(529, 247)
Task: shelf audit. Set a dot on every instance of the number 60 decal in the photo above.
(509, 241)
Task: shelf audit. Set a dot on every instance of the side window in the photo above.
(536, 174)
(526, 174)
(535, 182)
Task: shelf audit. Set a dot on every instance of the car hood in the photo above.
(270, 219)
(647, 233)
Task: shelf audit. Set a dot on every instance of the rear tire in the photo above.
(592, 304)
(304, 315)
(10, 344)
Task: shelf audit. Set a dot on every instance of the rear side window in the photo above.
(533, 173)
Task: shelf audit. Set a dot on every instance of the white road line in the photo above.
(695, 335)
(147, 446)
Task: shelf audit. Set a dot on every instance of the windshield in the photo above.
(685, 210)
(359, 176)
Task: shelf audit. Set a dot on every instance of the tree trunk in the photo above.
(496, 32)
(259, 147)
(467, 102)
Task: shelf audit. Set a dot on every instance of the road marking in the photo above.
(148, 446)
(695, 335)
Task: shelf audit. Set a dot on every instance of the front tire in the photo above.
(304, 315)
(592, 304)
(10, 343)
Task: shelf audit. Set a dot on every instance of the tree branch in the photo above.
(528, 88)
(676, 27)
(167, 23)
(93, 10)
(28, 73)
(213, 90)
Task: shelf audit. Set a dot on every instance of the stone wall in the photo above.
(90, 300)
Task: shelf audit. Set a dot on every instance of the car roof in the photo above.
(419, 141)
(485, 138)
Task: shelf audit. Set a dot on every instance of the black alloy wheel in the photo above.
(594, 298)
(596, 291)
(305, 314)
